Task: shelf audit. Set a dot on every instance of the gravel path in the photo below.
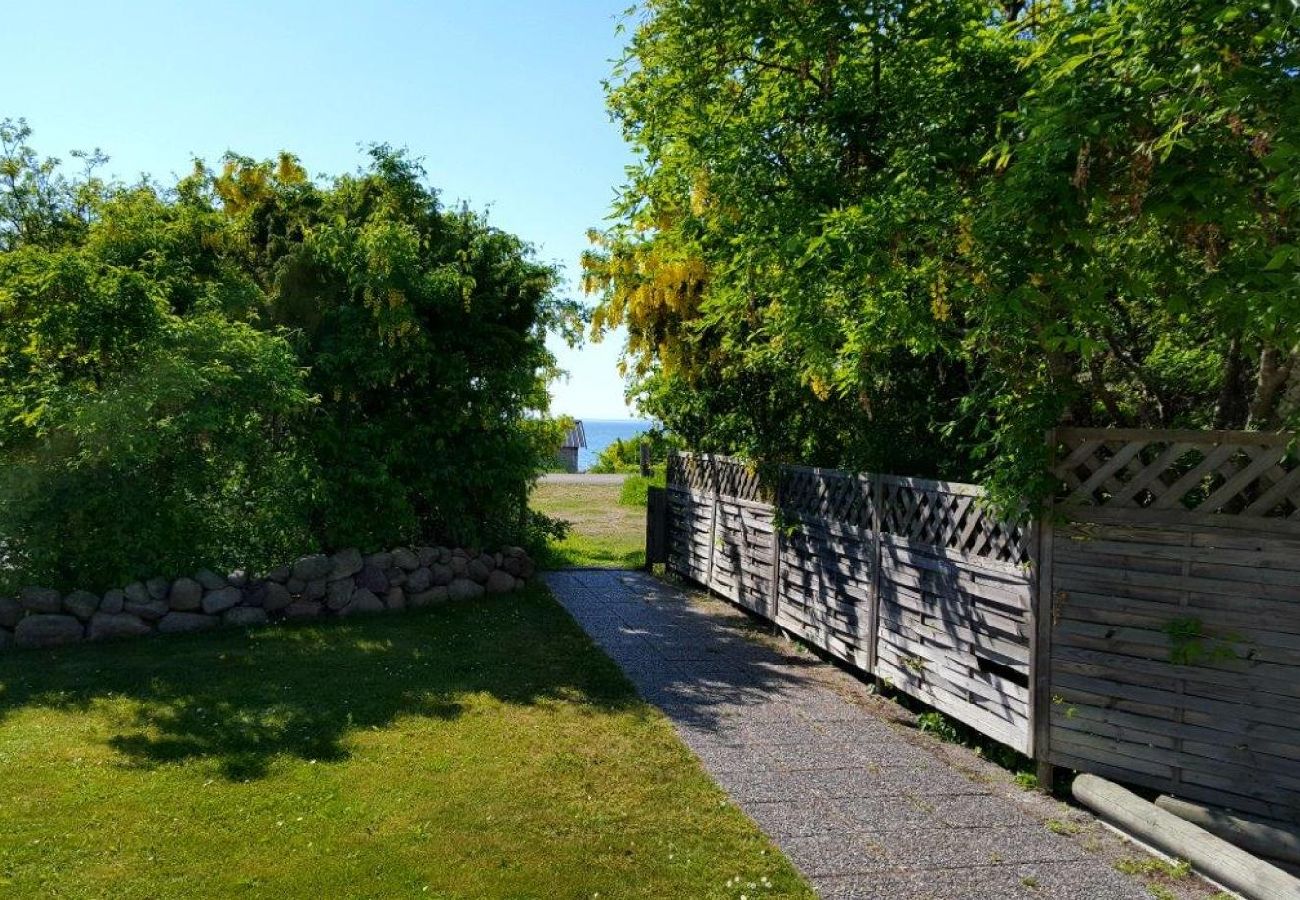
(862, 807)
(584, 478)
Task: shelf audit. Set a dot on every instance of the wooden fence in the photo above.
(1145, 627)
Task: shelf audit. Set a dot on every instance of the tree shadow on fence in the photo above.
(242, 699)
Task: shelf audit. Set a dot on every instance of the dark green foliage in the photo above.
(624, 454)
(253, 364)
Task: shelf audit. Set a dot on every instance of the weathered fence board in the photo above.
(1175, 614)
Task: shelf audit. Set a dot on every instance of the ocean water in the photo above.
(603, 432)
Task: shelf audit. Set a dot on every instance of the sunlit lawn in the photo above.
(604, 534)
(476, 750)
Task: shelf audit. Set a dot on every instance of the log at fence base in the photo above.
(1231, 866)
(1278, 841)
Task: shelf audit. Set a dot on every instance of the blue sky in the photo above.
(502, 100)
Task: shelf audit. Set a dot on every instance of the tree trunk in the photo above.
(1274, 372)
(1231, 410)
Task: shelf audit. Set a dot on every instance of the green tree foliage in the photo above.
(251, 364)
(912, 236)
(624, 454)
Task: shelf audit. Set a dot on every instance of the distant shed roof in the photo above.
(577, 436)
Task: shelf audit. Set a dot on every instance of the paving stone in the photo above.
(836, 854)
(947, 848)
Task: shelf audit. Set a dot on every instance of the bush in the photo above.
(253, 364)
(636, 488)
(624, 454)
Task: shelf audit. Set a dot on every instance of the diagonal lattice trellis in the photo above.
(706, 473)
(828, 494)
(1223, 473)
(951, 516)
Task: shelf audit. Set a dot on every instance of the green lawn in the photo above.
(484, 749)
(605, 533)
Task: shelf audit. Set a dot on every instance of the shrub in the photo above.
(624, 454)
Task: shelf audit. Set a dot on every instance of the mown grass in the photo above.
(476, 750)
(605, 533)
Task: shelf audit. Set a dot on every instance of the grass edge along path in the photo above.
(605, 533)
(483, 749)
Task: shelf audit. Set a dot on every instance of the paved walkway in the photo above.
(862, 808)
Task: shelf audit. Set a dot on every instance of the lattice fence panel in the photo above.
(1216, 473)
(722, 475)
(952, 516)
(830, 494)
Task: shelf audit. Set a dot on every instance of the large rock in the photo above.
(237, 578)
(478, 570)
(41, 600)
(10, 612)
(186, 595)
(303, 609)
(217, 602)
(82, 604)
(380, 561)
(464, 589)
(296, 586)
(114, 601)
(373, 579)
(363, 602)
(255, 594)
(185, 622)
(428, 598)
(419, 580)
(210, 580)
(6, 639)
(280, 574)
(150, 610)
(157, 588)
(106, 626)
(311, 568)
(48, 630)
(244, 616)
(426, 555)
(396, 576)
(315, 590)
(277, 597)
(512, 564)
(405, 559)
(500, 582)
(136, 592)
(444, 555)
(442, 574)
(395, 598)
(458, 564)
(346, 564)
(339, 594)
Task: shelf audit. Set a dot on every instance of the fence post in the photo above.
(656, 527)
(873, 601)
(712, 471)
(1040, 655)
(776, 544)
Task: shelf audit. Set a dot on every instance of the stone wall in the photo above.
(340, 585)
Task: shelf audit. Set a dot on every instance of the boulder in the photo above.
(363, 602)
(464, 589)
(157, 588)
(303, 609)
(210, 580)
(458, 564)
(255, 594)
(395, 598)
(396, 576)
(238, 578)
(428, 598)
(444, 555)
(136, 592)
(41, 600)
(277, 597)
(380, 561)
(280, 574)
(81, 604)
(500, 582)
(185, 622)
(10, 612)
(405, 559)
(150, 610)
(346, 564)
(512, 564)
(6, 639)
(217, 602)
(315, 590)
(372, 578)
(48, 630)
(244, 617)
(426, 555)
(339, 594)
(311, 568)
(113, 601)
(419, 580)
(186, 595)
(526, 570)
(106, 626)
(478, 570)
(442, 574)
(296, 586)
